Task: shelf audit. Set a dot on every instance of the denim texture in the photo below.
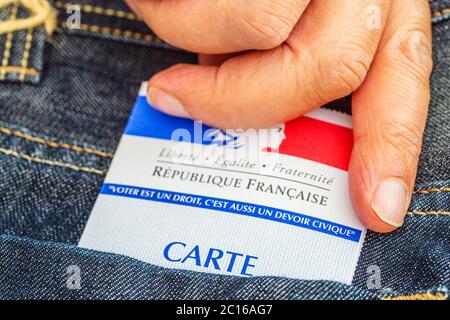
(26, 48)
(58, 131)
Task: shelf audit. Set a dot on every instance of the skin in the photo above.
(298, 55)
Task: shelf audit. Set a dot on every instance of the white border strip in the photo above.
(331, 116)
(143, 89)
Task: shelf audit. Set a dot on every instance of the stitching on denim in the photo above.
(424, 213)
(71, 166)
(98, 10)
(15, 69)
(432, 190)
(26, 53)
(8, 43)
(54, 144)
(40, 13)
(442, 12)
(116, 32)
(419, 296)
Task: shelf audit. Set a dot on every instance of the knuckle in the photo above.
(344, 70)
(411, 47)
(268, 28)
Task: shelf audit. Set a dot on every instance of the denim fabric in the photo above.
(110, 276)
(58, 132)
(25, 49)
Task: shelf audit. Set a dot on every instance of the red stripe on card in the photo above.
(318, 141)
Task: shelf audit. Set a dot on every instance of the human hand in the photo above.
(264, 62)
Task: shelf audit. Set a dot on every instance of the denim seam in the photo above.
(26, 53)
(441, 13)
(116, 32)
(72, 166)
(8, 43)
(98, 10)
(16, 69)
(419, 296)
(432, 190)
(53, 144)
(21, 39)
(421, 213)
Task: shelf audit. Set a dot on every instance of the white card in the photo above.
(270, 202)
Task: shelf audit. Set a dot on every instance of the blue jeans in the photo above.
(64, 102)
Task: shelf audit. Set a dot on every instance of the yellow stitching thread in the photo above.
(8, 43)
(431, 190)
(424, 213)
(16, 154)
(41, 13)
(54, 144)
(440, 13)
(15, 69)
(117, 32)
(420, 296)
(98, 10)
(26, 53)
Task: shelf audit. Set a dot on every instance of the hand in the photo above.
(274, 60)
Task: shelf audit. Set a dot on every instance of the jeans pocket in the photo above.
(43, 270)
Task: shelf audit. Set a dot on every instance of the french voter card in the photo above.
(267, 202)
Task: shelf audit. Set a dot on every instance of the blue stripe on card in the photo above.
(236, 207)
(146, 121)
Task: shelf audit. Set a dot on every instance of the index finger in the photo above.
(211, 26)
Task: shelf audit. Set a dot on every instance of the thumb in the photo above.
(255, 89)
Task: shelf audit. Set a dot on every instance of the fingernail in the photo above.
(166, 103)
(390, 201)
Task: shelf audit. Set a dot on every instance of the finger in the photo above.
(317, 64)
(215, 59)
(228, 95)
(389, 115)
(211, 26)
